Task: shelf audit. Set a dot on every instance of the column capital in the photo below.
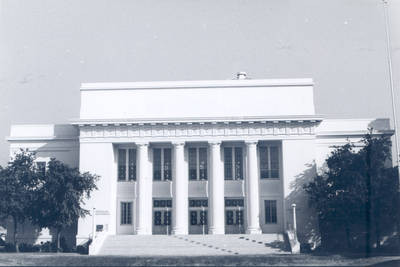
(178, 143)
(214, 142)
(251, 142)
(142, 143)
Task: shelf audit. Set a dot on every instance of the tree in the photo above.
(355, 195)
(60, 196)
(381, 186)
(18, 181)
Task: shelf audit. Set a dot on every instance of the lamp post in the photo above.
(389, 62)
(93, 224)
(203, 221)
(168, 220)
(294, 219)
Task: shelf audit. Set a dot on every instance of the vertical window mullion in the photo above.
(162, 163)
(233, 163)
(197, 164)
(122, 213)
(269, 162)
(126, 164)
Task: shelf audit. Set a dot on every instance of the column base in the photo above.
(216, 231)
(179, 232)
(142, 231)
(253, 231)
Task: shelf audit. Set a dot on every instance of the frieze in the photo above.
(197, 129)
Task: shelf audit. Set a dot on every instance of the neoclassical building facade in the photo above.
(195, 157)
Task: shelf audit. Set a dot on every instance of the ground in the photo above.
(53, 259)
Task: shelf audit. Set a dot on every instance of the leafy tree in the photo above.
(59, 199)
(381, 187)
(18, 181)
(356, 193)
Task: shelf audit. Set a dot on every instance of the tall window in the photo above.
(162, 164)
(270, 211)
(269, 162)
(198, 163)
(233, 163)
(127, 164)
(126, 212)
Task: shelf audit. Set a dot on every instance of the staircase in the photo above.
(193, 245)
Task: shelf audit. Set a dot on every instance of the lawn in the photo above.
(53, 259)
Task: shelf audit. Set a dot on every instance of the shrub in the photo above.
(81, 249)
(9, 247)
(84, 249)
(64, 246)
(28, 248)
(48, 247)
(305, 248)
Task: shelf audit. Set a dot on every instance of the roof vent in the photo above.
(241, 75)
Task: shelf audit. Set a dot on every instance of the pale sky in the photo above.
(48, 47)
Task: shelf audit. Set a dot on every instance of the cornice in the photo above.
(42, 138)
(328, 134)
(197, 120)
(195, 84)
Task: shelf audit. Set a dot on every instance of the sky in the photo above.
(49, 47)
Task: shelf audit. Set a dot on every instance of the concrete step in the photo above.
(186, 245)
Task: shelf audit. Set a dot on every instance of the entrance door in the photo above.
(162, 215)
(234, 216)
(198, 216)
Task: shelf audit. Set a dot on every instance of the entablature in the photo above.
(229, 128)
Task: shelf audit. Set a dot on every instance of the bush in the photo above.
(305, 248)
(81, 249)
(28, 248)
(64, 246)
(48, 247)
(84, 249)
(9, 247)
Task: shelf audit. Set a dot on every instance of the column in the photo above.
(252, 191)
(216, 191)
(143, 191)
(180, 192)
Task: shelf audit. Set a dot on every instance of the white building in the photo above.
(193, 157)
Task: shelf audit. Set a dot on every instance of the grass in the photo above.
(69, 259)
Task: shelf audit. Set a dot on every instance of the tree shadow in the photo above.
(281, 245)
(306, 216)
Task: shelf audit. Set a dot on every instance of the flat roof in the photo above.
(196, 84)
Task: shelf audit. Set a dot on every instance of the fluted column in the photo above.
(180, 192)
(143, 201)
(252, 194)
(216, 191)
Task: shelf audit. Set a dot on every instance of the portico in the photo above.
(245, 186)
(214, 162)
